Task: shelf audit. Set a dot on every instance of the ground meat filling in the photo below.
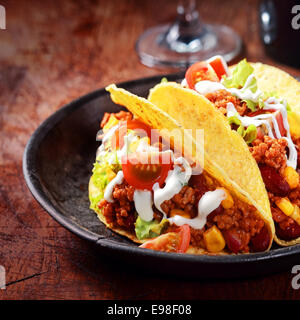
(184, 200)
(240, 218)
(270, 151)
(220, 99)
(121, 212)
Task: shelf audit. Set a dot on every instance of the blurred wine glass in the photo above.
(186, 41)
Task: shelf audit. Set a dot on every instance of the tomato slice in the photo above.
(140, 173)
(198, 72)
(278, 118)
(281, 127)
(219, 65)
(143, 129)
(258, 112)
(260, 133)
(177, 241)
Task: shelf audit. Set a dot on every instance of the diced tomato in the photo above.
(279, 120)
(198, 72)
(259, 133)
(219, 65)
(136, 125)
(140, 173)
(177, 241)
(258, 112)
(233, 240)
(260, 242)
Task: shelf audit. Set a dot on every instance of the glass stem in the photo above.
(184, 35)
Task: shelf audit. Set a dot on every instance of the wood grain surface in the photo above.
(51, 53)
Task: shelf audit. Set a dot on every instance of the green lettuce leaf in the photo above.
(98, 183)
(99, 179)
(266, 95)
(151, 229)
(250, 134)
(239, 76)
(236, 121)
(238, 79)
(251, 105)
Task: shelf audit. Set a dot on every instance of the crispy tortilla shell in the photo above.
(154, 115)
(226, 153)
(270, 79)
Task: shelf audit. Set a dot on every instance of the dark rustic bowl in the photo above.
(57, 165)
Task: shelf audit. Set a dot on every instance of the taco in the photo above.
(176, 203)
(260, 104)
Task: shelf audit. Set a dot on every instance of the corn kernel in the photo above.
(110, 174)
(296, 214)
(179, 212)
(228, 202)
(291, 176)
(214, 240)
(285, 206)
(294, 124)
(110, 123)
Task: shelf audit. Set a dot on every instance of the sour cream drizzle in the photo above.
(118, 179)
(176, 179)
(204, 87)
(206, 205)
(143, 204)
(265, 119)
(245, 93)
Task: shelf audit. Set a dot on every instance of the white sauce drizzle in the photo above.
(176, 179)
(118, 179)
(206, 205)
(128, 139)
(204, 87)
(145, 147)
(245, 93)
(143, 204)
(109, 134)
(184, 83)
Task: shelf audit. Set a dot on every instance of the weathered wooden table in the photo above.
(51, 53)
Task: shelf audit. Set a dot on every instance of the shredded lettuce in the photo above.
(238, 80)
(236, 121)
(251, 105)
(249, 134)
(151, 229)
(98, 183)
(163, 80)
(266, 95)
(239, 76)
(99, 179)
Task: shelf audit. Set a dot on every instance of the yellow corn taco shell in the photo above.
(271, 79)
(159, 116)
(226, 154)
